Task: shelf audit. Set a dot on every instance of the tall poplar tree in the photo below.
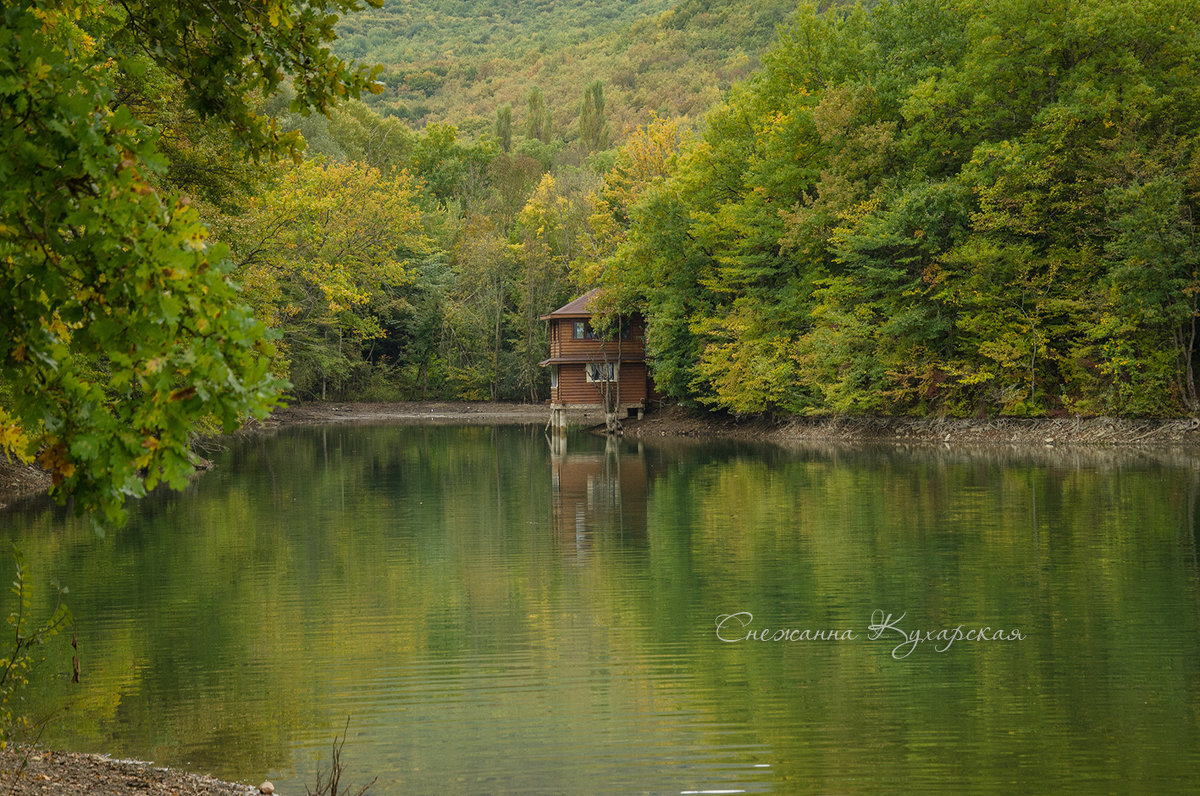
(504, 127)
(593, 124)
(537, 121)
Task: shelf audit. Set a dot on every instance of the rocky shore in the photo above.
(29, 771)
(1070, 431)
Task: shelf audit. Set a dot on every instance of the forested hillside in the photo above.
(977, 207)
(458, 62)
(372, 305)
(415, 31)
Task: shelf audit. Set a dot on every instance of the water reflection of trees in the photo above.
(402, 546)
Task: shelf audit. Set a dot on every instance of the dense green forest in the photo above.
(503, 168)
(923, 206)
(967, 207)
(972, 207)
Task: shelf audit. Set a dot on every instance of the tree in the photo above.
(926, 206)
(1150, 337)
(121, 328)
(475, 331)
(452, 170)
(593, 124)
(647, 158)
(504, 127)
(513, 177)
(537, 120)
(385, 143)
(544, 228)
(320, 253)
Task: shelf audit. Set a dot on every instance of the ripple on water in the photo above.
(494, 619)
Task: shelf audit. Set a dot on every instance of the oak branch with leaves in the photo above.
(121, 328)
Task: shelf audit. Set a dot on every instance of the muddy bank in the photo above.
(20, 480)
(1093, 431)
(420, 412)
(674, 421)
(26, 771)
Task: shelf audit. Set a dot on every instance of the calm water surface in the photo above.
(497, 619)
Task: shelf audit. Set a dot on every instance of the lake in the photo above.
(492, 617)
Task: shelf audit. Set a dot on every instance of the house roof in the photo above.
(574, 309)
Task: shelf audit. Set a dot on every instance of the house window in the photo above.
(583, 330)
(601, 371)
(554, 377)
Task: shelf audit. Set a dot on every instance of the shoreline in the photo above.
(471, 413)
(1075, 432)
(676, 421)
(18, 481)
(33, 771)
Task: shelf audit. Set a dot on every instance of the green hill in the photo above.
(418, 31)
(457, 61)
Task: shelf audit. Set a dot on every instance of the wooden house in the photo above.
(587, 370)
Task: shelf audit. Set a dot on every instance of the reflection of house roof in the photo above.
(574, 309)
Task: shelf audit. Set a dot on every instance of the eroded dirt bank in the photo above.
(420, 412)
(19, 480)
(1081, 431)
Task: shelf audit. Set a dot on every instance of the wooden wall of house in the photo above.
(574, 388)
(633, 383)
(563, 342)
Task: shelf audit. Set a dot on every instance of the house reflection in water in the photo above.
(598, 496)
